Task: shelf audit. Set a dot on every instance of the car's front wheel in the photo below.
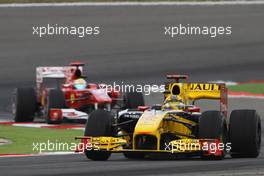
(99, 124)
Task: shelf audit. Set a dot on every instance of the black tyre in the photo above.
(212, 125)
(133, 99)
(55, 99)
(245, 133)
(24, 104)
(99, 124)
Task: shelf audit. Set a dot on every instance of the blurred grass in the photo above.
(251, 88)
(22, 138)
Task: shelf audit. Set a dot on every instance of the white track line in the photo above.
(43, 125)
(40, 154)
(164, 3)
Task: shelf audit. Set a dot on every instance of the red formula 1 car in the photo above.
(62, 93)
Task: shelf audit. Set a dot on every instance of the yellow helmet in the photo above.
(173, 102)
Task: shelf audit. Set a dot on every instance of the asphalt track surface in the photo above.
(132, 48)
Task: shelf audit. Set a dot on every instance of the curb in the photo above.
(242, 94)
(252, 82)
(245, 95)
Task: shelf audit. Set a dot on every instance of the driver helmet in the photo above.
(174, 102)
(80, 84)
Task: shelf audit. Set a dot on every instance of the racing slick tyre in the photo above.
(55, 99)
(212, 125)
(24, 104)
(98, 124)
(245, 133)
(133, 99)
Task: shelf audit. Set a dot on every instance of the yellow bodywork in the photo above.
(152, 123)
(107, 143)
(195, 91)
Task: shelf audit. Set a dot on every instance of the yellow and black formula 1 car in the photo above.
(176, 127)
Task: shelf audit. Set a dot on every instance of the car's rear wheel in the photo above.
(99, 124)
(24, 104)
(133, 99)
(56, 100)
(212, 125)
(245, 133)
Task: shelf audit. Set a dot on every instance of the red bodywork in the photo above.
(90, 96)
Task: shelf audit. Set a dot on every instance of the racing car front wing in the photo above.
(206, 147)
(70, 114)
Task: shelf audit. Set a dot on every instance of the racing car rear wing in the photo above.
(54, 72)
(195, 91)
(203, 90)
(177, 78)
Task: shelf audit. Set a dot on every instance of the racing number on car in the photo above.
(72, 98)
